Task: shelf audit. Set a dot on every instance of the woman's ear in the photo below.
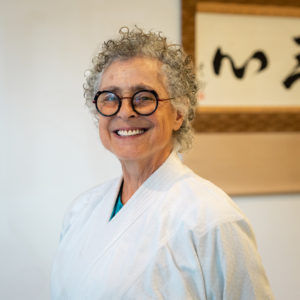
(178, 120)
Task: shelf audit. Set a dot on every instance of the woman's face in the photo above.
(152, 135)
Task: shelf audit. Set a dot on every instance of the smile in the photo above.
(130, 132)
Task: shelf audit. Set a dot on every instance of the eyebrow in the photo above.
(133, 89)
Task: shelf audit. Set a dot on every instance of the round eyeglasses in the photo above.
(143, 102)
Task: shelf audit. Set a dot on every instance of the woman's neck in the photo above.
(136, 172)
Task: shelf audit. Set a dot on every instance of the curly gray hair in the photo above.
(176, 65)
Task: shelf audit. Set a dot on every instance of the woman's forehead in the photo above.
(132, 73)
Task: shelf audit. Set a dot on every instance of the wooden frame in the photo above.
(237, 119)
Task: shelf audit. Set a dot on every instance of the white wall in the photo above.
(276, 222)
(49, 149)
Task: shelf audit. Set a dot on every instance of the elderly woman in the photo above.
(158, 231)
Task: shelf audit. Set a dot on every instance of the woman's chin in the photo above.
(135, 154)
(142, 156)
(129, 156)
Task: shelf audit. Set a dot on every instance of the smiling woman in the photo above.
(158, 231)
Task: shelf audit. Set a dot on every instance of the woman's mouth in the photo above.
(130, 132)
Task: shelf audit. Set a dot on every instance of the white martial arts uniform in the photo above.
(178, 237)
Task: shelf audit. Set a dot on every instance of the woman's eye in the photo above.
(144, 98)
(109, 98)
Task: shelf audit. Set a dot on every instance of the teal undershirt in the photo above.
(118, 204)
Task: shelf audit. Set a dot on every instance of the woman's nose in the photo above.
(126, 110)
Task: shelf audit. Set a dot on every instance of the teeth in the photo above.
(130, 132)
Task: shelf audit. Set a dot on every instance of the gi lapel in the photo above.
(109, 232)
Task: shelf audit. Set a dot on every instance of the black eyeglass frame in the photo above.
(131, 102)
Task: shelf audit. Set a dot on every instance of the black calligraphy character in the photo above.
(239, 72)
(290, 80)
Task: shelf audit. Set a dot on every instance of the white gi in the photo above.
(178, 237)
